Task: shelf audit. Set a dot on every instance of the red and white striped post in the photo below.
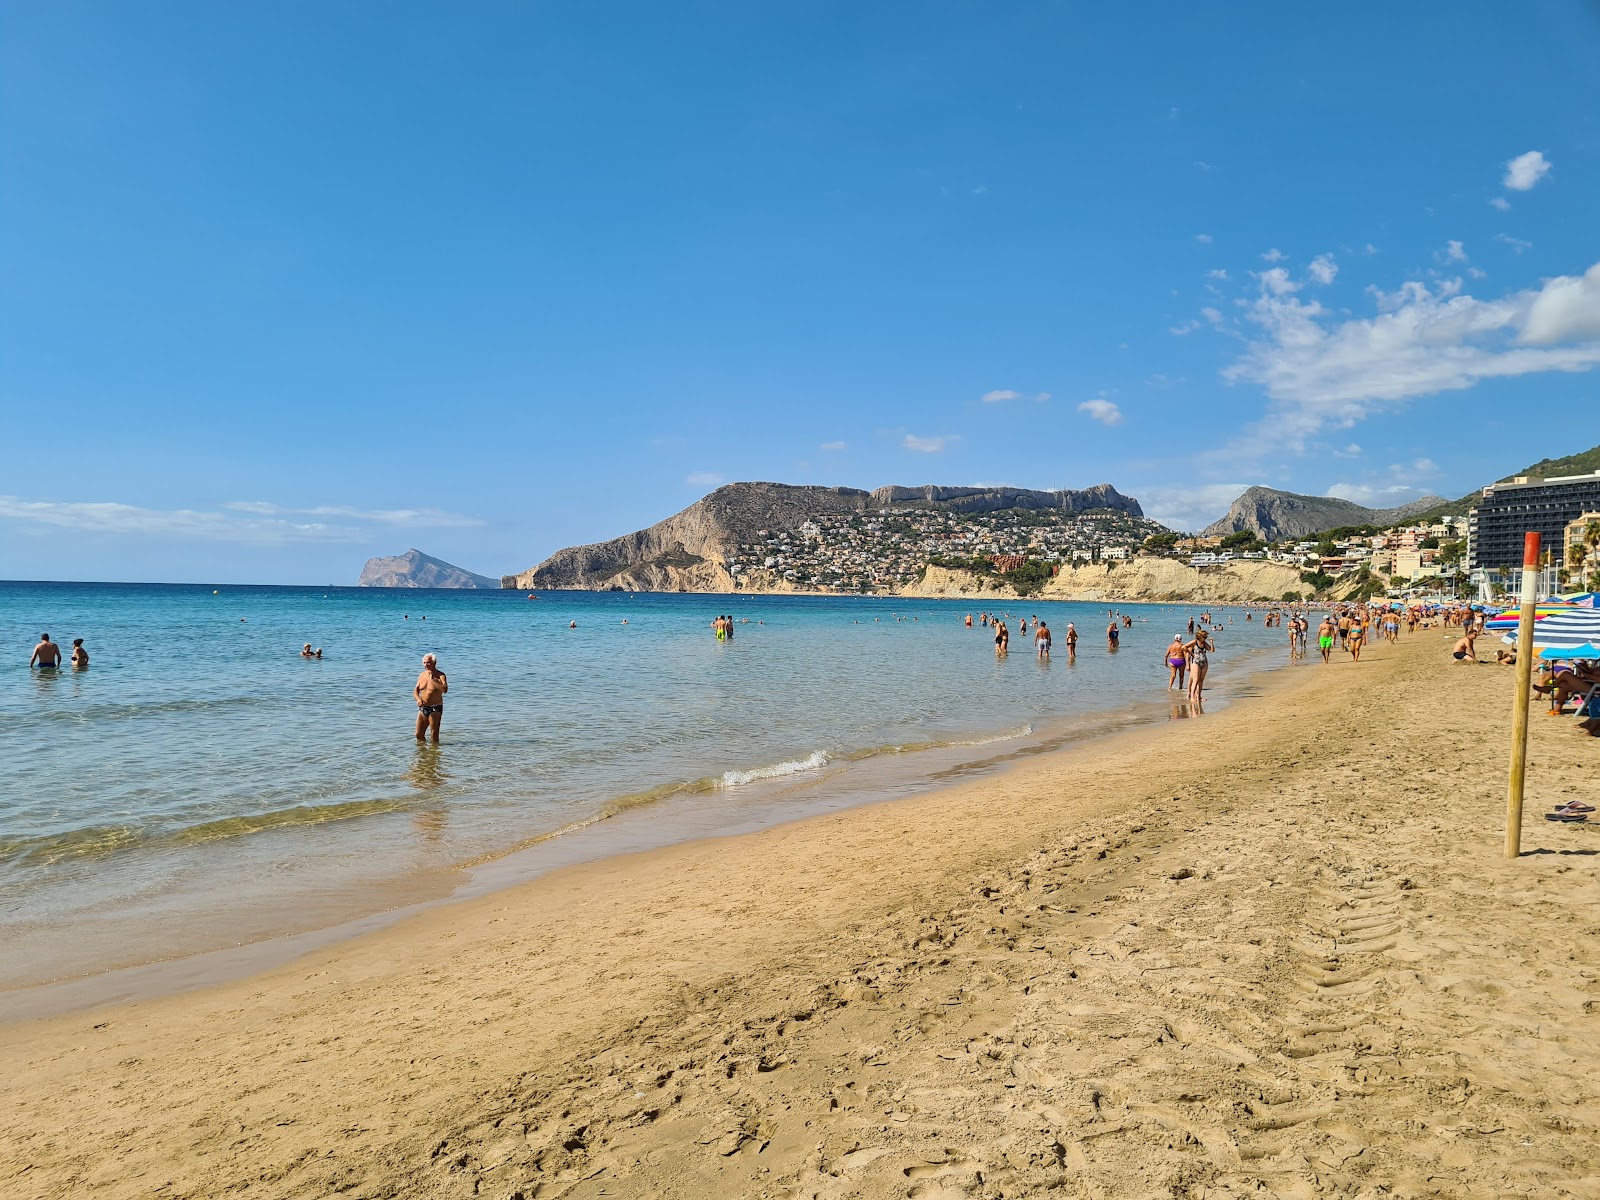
(1519, 713)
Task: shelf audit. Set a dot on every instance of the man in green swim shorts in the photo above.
(1325, 637)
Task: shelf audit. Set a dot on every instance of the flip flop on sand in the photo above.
(1575, 806)
(1566, 818)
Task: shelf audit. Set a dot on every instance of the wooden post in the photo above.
(1519, 714)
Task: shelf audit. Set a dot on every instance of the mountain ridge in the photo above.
(1274, 515)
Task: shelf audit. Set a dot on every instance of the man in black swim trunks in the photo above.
(46, 655)
(429, 692)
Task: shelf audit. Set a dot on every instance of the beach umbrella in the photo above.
(1567, 630)
(1584, 599)
(1587, 650)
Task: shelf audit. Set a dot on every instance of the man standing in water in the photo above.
(1041, 639)
(46, 655)
(1112, 633)
(429, 692)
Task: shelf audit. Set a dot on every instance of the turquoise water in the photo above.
(201, 783)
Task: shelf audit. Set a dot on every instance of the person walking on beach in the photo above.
(46, 655)
(1177, 662)
(1325, 637)
(1199, 663)
(80, 656)
(1356, 639)
(429, 692)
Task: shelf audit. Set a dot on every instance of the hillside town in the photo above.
(881, 551)
(863, 552)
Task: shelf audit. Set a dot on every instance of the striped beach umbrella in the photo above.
(1564, 630)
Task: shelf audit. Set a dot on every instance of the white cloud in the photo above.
(925, 445)
(708, 479)
(1212, 315)
(1203, 238)
(831, 447)
(1323, 269)
(131, 520)
(1000, 395)
(1516, 244)
(1350, 451)
(1102, 410)
(415, 518)
(1374, 495)
(1184, 328)
(1188, 508)
(1454, 252)
(1276, 281)
(1525, 170)
(1501, 203)
(1567, 308)
(1217, 273)
(1476, 273)
(1369, 249)
(1274, 255)
(1323, 370)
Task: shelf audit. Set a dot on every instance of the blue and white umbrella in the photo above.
(1563, 630)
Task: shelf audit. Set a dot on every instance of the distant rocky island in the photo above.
(414, 569)
(781, 537)
(1275, 516)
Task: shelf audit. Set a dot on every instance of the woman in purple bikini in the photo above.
(1177, 662)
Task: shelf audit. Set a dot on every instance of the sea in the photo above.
(201, 785)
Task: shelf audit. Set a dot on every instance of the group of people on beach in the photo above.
(47, 655)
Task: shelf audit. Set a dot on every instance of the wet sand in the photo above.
(1271, 951)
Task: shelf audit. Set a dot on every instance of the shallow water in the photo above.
(201, 784)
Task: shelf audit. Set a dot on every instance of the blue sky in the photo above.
(286, 285)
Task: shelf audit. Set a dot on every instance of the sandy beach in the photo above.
(1272, 951)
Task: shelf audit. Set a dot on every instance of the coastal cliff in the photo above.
(1149, 579)
(414, 569)
(699, 549)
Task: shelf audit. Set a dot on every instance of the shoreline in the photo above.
(609, 834)
(1226, 955)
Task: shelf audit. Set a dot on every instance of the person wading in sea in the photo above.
(46, 655)
(429, 692)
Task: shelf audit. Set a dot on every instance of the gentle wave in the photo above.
(817, 760)
(99, 841)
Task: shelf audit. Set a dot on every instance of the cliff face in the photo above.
(686, 552)
(414, 569)
(1275, 516)
(1155, 579)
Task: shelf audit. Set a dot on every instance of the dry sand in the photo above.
(1271, 952)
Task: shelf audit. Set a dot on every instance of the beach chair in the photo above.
(1589, 705)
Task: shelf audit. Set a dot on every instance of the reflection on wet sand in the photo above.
(427, 774)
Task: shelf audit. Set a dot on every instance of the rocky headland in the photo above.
(693, 551)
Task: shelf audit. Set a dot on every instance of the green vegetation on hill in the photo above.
(1581, 463)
